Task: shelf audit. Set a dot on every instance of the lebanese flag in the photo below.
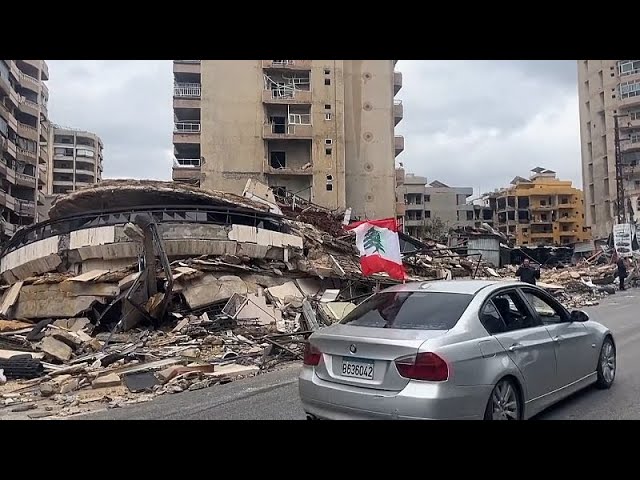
(379, 246)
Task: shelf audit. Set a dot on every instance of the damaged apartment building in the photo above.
(539, 211)
(421, 203)
(321, 131)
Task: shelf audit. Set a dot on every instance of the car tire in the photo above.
(606, 364)
(504, 402)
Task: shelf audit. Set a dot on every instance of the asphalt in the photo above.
(274, 395)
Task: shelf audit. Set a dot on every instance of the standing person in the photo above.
(527, 273)
(622, 272)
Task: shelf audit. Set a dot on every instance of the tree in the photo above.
(372, 240)
(434, 228)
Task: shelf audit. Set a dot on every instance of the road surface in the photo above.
(274, 396)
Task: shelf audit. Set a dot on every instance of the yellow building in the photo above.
(541, 210)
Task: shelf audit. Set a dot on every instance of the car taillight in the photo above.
(423, 366)
(311, 355)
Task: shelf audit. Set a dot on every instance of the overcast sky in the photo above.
(466, 123)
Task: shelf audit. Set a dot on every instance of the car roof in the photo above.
(469, 287)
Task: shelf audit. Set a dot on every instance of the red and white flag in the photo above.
(379, 246)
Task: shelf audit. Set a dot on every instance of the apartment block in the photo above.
(319, 130)
(24, 133)
(609, 89)
(423, 202)
(540, 211)
(76, 159)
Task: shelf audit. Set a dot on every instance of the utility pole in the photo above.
(620, 200)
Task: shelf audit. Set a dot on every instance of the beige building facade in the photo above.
(609, 88)
(24, 133)
(75, 161)
(322, 130)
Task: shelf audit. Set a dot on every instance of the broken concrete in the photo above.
(209, 289)
(110, 380)
(56, 349)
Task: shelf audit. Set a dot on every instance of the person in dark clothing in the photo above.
(622, 272)
(527, 273)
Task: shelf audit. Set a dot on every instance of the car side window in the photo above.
(548, 313)
(513, 311)
(491, 319)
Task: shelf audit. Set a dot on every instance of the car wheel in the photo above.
(606, 364)
(504, 402)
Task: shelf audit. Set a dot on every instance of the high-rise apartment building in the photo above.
(76, 159)
(609, 88)
(24, 132)
(322, 130)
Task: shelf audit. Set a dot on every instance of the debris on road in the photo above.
(161, 322)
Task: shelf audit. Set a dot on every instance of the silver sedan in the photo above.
(454, 350)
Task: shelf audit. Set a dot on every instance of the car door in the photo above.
(572, 340)
(527, 343)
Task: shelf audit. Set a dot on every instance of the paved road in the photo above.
(274, 396)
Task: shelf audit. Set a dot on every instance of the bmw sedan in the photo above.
(454, 350)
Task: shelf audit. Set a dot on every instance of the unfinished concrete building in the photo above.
(540, 210)
(23, 142)
(320, 130)
(609, 88)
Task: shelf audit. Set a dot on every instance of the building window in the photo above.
(278, 160)
(634, 136)
(629, 89)
(327, 151)
(427, 198)
(327, 116)
(634, 115)
(329, 187)
(469, 215)
(328, 141)
(427, 214)
(327, 81)
(327, 107)
(327, 71)
(628, 67)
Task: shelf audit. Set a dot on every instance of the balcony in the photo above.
(569, 233)
(186, 66)
(25, 208)
(288, 96)
(398, 144)
(26, 156)
(45, 70)
(41, 197)
(29, 107)
(626, 123)
(542, 208)
(44, 130)
(27, 131)
(186, 173)
(8, 117)
(186, 95)
(83, 171)
(398, 111)
(397, 82)
(629, 102)
(5, 85)
(564, 206)
(413, 222)
(271, 131)
(287, 64)
(25, 180)
(632, 145)
(28, 82)
(187, 90)
(292, 170)
(568, 219)
(186, 132)
(42, 175)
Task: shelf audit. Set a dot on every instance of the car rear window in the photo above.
(410, 310)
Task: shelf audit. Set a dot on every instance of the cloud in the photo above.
(125, 102)
(481, 123)
(466, 123)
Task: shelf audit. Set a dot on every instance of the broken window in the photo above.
(286, 85)
(278, 160)
(278, 124)
(469, 215)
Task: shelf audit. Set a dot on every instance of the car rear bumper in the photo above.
(417, 401)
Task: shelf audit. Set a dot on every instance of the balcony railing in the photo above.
(192, 90)
(186, 163)
(28, 179)
(186, 127)
(30, 103)
(26, 153)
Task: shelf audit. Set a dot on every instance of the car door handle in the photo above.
(514, 347)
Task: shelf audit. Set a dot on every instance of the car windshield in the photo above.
(410, 310)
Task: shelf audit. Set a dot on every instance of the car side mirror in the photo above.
(579, 316)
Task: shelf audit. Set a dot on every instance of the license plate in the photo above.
(357, 368)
